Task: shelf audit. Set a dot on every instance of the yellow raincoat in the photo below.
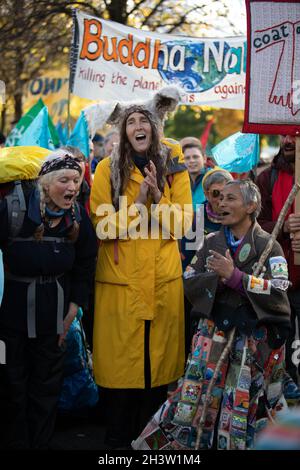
(138, 280)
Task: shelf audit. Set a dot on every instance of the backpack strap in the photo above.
(16, 208)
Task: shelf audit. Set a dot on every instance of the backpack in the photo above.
(14, 193)
(79, 390)
(19, 168)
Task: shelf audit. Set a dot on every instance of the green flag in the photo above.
(15, 135)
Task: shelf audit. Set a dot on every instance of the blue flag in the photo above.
(38, 133)
(238, 153)
(80, 135)
(62, 133)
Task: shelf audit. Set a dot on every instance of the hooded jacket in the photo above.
(139, 280)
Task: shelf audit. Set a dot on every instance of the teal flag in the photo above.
(62, 133)
(38, 133)
(80, 135)
(13, 139)
(238, 153)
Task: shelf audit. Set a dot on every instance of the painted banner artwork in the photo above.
(110, 61)
(273, 67)
(52, 87)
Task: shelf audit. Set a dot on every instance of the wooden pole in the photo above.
(69, 111)
(297, 201)
(277, 228)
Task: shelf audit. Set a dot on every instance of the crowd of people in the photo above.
(119, 248)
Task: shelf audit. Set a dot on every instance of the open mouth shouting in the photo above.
(139, 132)
(141, 142)
(69, 198)
(141, 137)
(224, 214)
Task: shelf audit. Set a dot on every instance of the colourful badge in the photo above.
(244, 252)
(278, 266)
(257, 285)
(184, 413)
(281, 284)
(194, 371)
(189, 272)
(190, 391)
(223, 440)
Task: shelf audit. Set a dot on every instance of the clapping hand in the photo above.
(151, 181)
(221, 265)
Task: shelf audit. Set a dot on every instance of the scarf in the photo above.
(211, 215)
(231, 241)
(140, 161)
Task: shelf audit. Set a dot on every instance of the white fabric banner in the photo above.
(110, 61)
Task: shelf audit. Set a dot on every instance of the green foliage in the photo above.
(187, 122)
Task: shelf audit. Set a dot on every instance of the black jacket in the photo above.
(31, 258)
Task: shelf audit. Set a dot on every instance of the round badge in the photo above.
(244, 253)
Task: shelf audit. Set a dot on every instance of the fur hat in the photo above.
(115, 113)
(164, 101)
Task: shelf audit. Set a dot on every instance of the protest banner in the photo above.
(111, 61)
(273, 67)
(52, 88)
(273, 73)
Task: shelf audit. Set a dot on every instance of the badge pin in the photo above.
(244, 253)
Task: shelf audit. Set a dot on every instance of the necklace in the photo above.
(53, 215)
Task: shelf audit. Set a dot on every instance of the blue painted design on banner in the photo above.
(238, 153)
(193, 78)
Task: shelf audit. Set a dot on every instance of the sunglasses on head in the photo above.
(215, 193)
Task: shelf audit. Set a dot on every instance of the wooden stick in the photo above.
(276, 229)
(212, 382)
(231, 335)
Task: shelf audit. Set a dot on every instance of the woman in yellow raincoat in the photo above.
(139, 320)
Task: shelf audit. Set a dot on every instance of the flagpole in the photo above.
(73, 57)
(69, 115)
